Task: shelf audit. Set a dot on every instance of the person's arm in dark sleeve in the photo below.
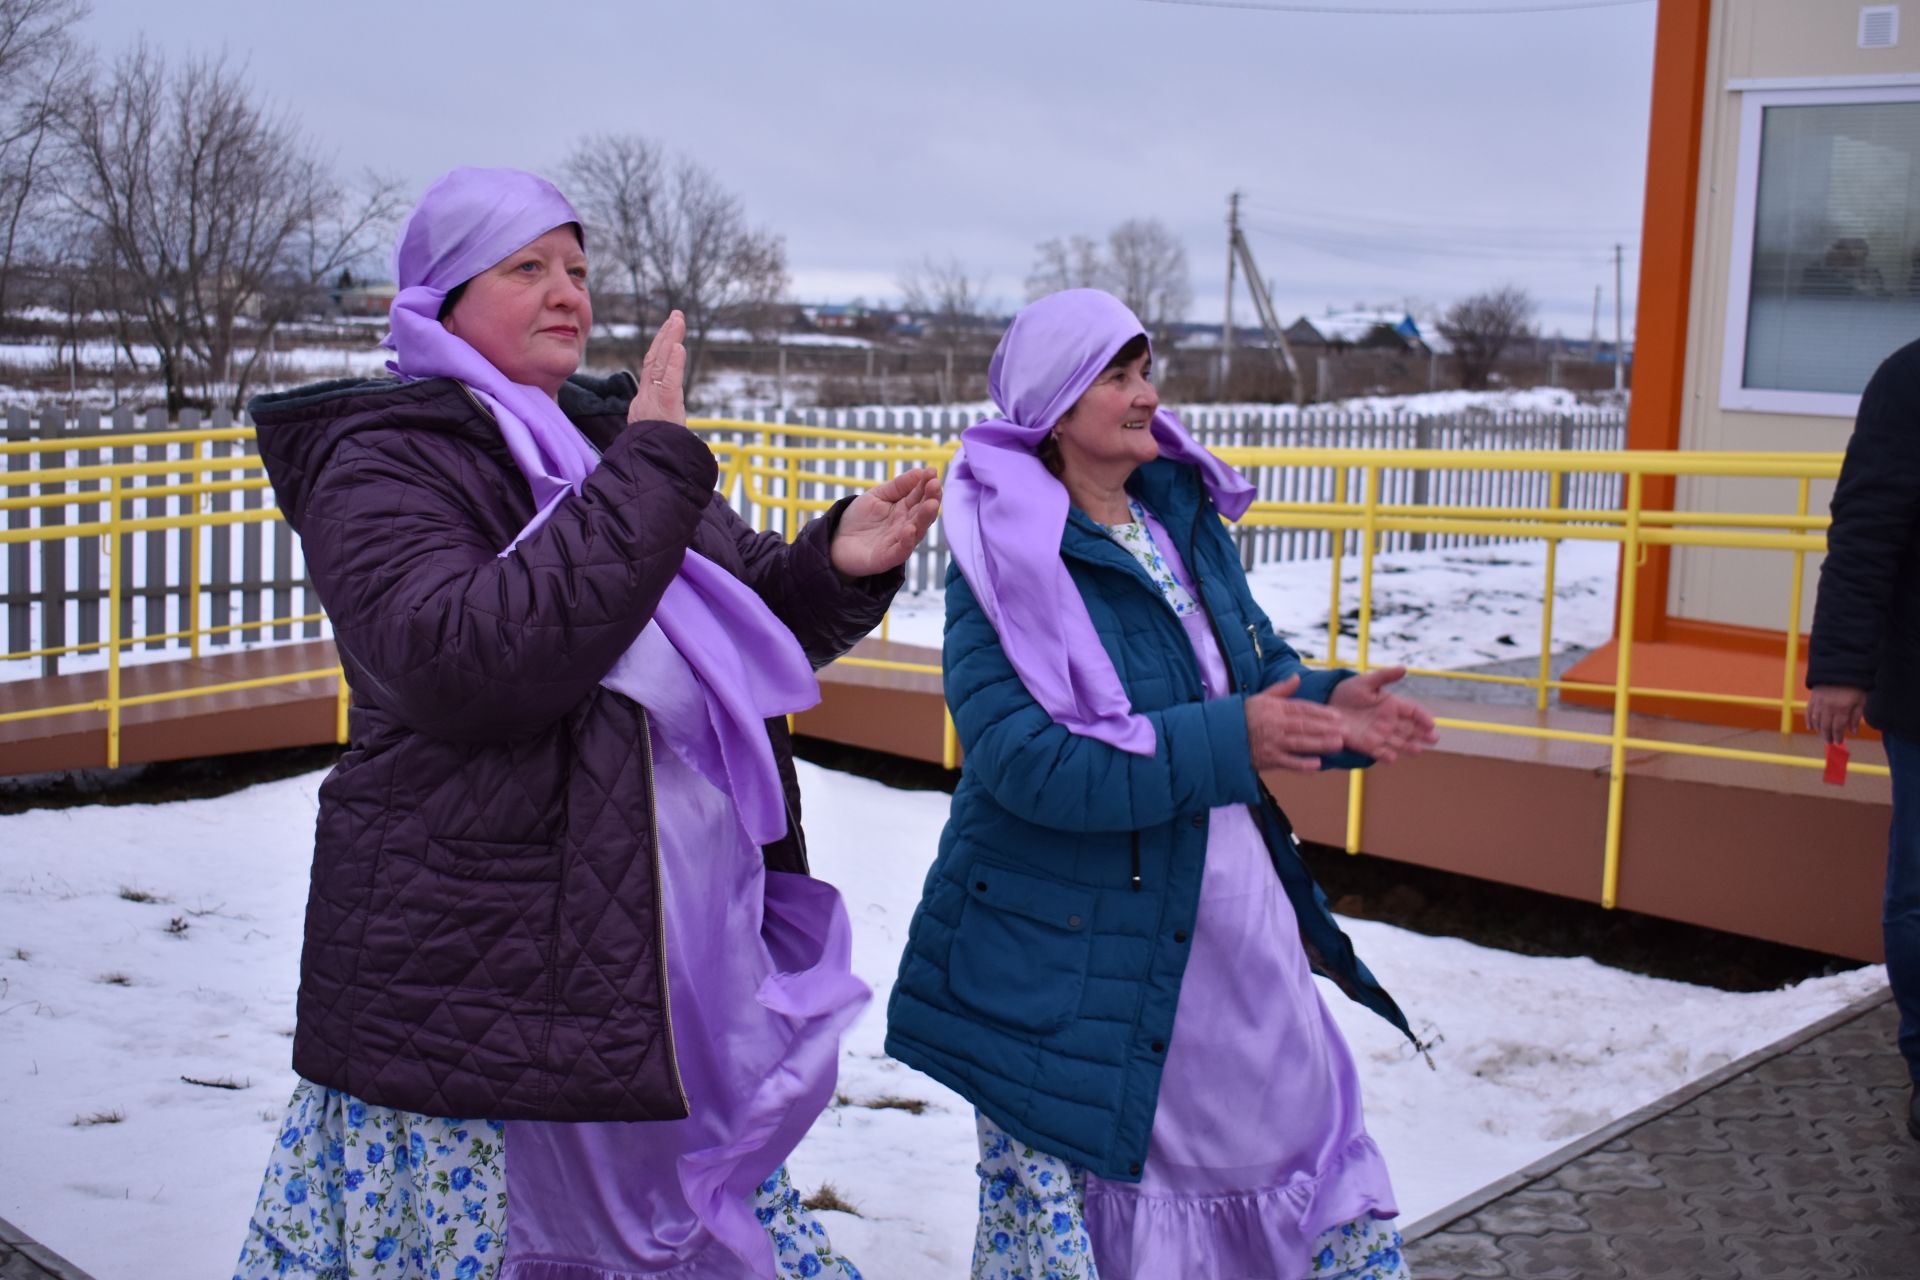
(826, 612)
(458, 640)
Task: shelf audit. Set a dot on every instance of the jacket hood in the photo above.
(299, 429)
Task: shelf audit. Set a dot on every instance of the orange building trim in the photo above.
(1666, 270)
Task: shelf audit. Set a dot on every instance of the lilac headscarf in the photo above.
(1005, 511)
(714, 664)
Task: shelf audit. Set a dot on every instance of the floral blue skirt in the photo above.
(1033, 1224)
(358, 1192)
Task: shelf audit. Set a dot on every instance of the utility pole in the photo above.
(1277, 344)
(1593, 338)
(1226, 329)
(1619, 347)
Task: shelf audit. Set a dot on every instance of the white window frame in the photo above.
(1746, 195)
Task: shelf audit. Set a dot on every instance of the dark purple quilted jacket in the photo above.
(483, 927)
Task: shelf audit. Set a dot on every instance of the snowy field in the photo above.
(1440, 609)
(108, 1006)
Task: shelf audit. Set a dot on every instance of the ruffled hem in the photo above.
(1254, 1235)
(714, 1262)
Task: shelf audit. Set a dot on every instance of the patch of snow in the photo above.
(106, 1003)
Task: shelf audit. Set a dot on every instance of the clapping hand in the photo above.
(662, 395)
(1285, 732)
(880, 528)
(1376, 723)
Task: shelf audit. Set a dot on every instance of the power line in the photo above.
(1423, 11)
(1373, 247)
(1445, 224)
(1537, 239)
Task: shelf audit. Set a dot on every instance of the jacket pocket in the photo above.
(1020, 952)
(492, 859)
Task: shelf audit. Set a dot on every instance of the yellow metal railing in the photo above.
(770, 468)
(780, 475)
(103, 492)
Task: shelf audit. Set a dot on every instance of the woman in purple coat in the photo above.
(559, 879)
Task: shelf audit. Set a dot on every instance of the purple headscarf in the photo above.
(1005, 511)
(714, 664)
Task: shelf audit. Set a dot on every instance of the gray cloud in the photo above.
(870, 132)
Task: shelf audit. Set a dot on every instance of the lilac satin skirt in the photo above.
(1258, 1142)
(759, 969)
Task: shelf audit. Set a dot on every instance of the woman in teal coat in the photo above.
(1113, 952)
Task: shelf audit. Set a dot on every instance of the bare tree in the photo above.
(1142, 264)
(1480, 328)
(39, 64)
(680, 240)
(946, 292)
(214, 216)
(612, 180)
(1073, 263)
(1146, 268)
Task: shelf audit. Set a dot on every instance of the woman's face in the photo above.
(1106, 431)
(529, 313)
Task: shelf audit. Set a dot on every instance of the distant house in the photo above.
(838, 317)
(362, 298)
(1378, 330)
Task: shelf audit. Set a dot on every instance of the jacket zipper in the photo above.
(659, 880)
(660, 909)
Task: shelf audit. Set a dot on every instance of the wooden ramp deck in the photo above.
(1764, 850)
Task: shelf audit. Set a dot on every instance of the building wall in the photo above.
(1755, 39)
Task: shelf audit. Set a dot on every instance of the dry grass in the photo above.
(885, 1102)
(114, 1116)
(828, 1197)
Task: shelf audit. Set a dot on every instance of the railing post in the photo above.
(1622, 687)
(1337, 542)
(1788, 681)
(1356, 778)
(114, 601)
(198, 503)
(1555, 502)
(1422, 480)
(792, 504)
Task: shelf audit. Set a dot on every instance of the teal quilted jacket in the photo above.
(1043, 965)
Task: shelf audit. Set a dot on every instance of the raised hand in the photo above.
(880, 528)
(1383, 725)
(662, 395)
(1285, 732)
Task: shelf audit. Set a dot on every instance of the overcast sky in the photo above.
(1383, 158)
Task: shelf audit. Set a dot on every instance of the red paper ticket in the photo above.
(1836, 763)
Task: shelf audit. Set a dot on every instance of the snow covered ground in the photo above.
(109, 1006)
(143, 949)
